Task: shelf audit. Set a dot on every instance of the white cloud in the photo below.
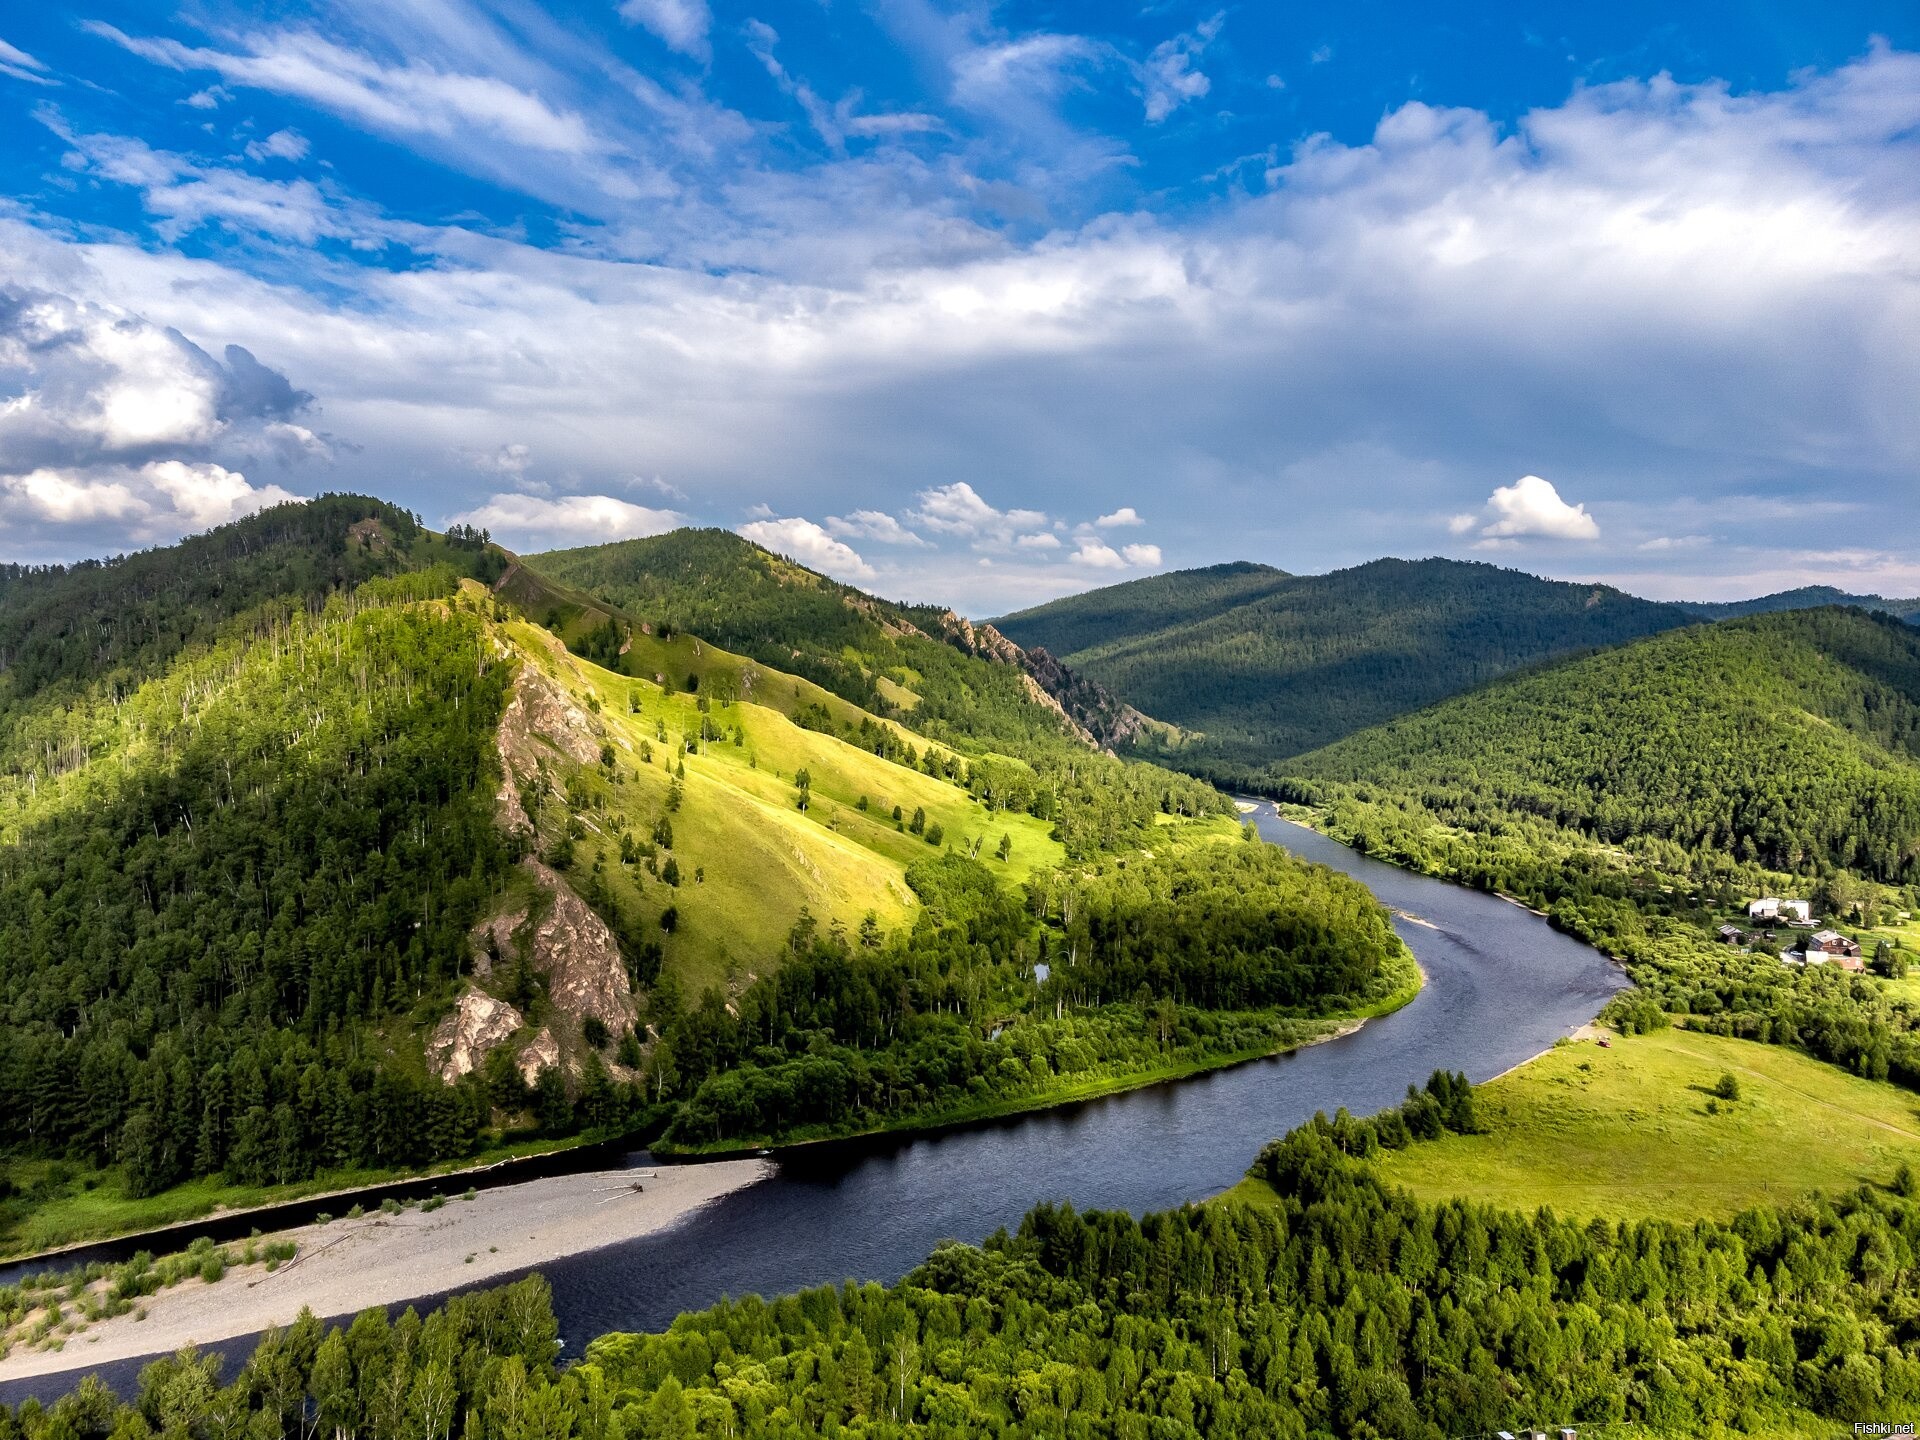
(532, 522)
(1039, 540)
(280, 145)
(1097, 555)
(1125, 515)
(1145, 555)
(1169, 78)
(1529, 507)
(1674, 542)
(874, 525)
(958, 510)
(512, 460)
(158, 501)
(403, 99)
(18, 64)
(679, 24)
(812, 546)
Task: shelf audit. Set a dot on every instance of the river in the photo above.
(1502, 985)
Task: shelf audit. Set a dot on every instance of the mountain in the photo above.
(1095, 618)
(1807, 597)
(1791, 739)
(960, 682)
(331, 845)
(1265, 665)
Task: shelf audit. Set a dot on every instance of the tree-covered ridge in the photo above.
(269, 851)
(1111, 614)
(1792, 740)
(1807, 597)
(1308, 659)
(917, 663)
(113, 623)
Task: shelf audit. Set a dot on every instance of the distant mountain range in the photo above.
(1262, 665)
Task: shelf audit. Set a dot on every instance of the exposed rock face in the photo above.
(1101, 715)
(500, 928)
(464, 1039)
(541, 1053)
(577, 953)
(539, 714)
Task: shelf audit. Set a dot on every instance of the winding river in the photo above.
(1502, 985)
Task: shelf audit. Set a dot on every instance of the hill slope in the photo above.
(330, 845)
(960, 683)
(1792, 739)
(1294, 662)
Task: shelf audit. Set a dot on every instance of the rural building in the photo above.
(1833, 943)
(1733, 935)
(1798, 911)
(1766, 908)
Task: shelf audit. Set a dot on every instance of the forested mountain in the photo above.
(960, 683)
(1075, 624)
(330, 844)
(1807, 597)
(1790, 739)
(1266, 665)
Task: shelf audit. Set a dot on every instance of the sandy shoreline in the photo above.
(382, 1259)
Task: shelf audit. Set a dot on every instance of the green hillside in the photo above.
(1791, 740)
(1075, 624)
(1266, 665)
(961, 684)
(332, 848)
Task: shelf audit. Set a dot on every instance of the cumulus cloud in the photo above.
(1142, 555)
(959, 510)
(113, 429)
(678, 24)
(1125, 515)
(874, 525)
(1530, 507)
(1097, 555)
(808, 543)
(534, 522)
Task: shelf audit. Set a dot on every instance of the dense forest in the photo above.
(1807, 597)
(1199, 956)
(274, 849)
(1792, 740)
(1267, 665)
(1337, 1306)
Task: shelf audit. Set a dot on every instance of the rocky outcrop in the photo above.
(1101, 715)
(462, 1041)
(539, 719)
(540, 1053)
(580, 958)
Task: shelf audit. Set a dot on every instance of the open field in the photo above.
(1625, 1132)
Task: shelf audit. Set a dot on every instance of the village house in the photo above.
(1832, 943)
(1765, 908)
(1733, 935)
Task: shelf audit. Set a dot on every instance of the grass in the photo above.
(749, 858)
(1626, 1132)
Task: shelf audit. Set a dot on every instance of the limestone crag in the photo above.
(462, 1041)
(580, 958)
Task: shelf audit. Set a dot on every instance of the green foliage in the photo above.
(1790, 740)
(267, 850)
(1193, 957)
(1267, 665)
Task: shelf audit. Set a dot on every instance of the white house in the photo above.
(1765, 908)
(1796, 910)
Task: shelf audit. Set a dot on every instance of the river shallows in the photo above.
(1502, 985)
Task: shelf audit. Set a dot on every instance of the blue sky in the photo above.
(979, 303)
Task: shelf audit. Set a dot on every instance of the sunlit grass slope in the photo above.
(1626, 1131)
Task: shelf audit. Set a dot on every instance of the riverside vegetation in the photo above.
(1318, 1300)
(266, 818)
